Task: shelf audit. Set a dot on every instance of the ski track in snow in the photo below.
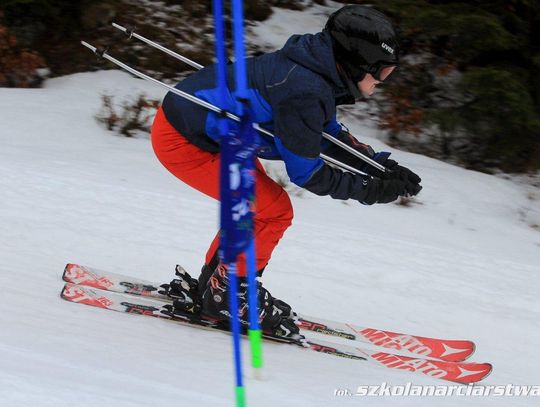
(459, 263)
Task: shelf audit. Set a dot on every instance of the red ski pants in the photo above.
(200, 170)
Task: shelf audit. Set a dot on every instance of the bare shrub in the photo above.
(134, 119)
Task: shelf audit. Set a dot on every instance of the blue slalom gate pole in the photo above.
(239, 53)
(229, 172)
(250, 137)
(238, 149)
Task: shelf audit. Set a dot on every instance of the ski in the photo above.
(448, 350)
(460, 372)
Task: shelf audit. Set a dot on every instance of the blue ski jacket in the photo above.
(293, 93)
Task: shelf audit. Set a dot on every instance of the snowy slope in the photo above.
(460, 263)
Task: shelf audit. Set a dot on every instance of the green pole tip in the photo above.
(255, 339)
(240, 396)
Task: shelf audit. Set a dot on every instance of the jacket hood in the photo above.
(314, 52)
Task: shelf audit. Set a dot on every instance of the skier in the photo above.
(294, 93)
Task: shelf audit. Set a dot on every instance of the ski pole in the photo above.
(103, 54)
(195, 65)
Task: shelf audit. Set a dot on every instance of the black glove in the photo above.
(388, 190)
(365, 189)
(399, 172)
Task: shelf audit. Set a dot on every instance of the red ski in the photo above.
(449, 350)
(460, 372)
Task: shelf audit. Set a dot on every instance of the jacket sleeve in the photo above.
(340, 184)
(333, 127)
(299, 124)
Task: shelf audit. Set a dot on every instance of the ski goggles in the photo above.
(380, 72)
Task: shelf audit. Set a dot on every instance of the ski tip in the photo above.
(473, 349)
(487, 371)
(473, 373)
(467, 352)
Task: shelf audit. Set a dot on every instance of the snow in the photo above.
(273, 32)
(460, 262)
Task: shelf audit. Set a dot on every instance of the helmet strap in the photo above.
(349, 82)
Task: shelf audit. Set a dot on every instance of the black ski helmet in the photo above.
(363, 40)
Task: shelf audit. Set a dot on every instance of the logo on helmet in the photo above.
(388, 48)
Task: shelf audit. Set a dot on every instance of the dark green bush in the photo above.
(473, 69)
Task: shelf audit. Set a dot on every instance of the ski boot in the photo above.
(275, 316)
